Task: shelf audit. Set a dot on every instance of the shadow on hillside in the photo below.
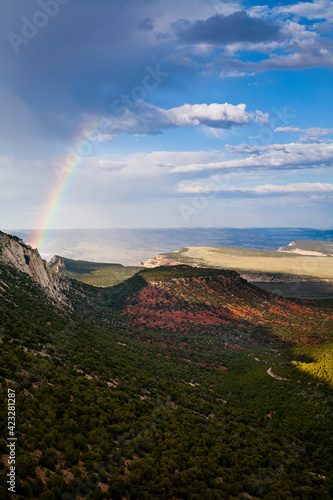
(176, 315)
(83, 267)
(191, 316)
(116, 296)
(298, 289)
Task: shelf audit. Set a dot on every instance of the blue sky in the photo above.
(180, 113)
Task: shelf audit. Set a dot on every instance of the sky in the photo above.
(166, 113)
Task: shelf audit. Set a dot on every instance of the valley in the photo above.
(166, 250)
(161, 387)
(288, 274)
(92, 273)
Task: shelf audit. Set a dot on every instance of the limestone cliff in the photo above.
(15, 252)
(161, 260)
(309, 248)
(60, 266)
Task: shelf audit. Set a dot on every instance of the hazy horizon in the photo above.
(127, 246)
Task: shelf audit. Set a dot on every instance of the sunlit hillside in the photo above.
(256, 261)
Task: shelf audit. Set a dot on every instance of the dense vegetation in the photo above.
(108, 408)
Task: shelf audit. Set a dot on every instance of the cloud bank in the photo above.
(148, 119)
(237, 27)
(212, 186)
(272, 156)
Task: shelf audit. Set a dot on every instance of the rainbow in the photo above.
(65, 172)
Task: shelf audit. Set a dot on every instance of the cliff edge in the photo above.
(310, 248)
(16, 253)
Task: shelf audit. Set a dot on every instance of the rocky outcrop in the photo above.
(324, 249)
(16, 253)
(161, 260)
(57, 264)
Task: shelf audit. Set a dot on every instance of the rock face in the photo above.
(16, 253)
(310, 248)
(61, 266)
(161, 260)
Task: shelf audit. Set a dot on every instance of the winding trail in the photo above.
(269, 371)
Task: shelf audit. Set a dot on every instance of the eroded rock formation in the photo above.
(16, 253)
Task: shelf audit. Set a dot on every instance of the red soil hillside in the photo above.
(182, 299)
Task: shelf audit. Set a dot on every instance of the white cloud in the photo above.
(219, 115)
(231, 49)
(156, 163)
(226, 8)
(296, 32)
(299, 45)
(288, 129)
(313, 131)
(311, 135)
(203, 48)
(300, 54)
(274, 156)
(145, 118)
(259, 11)
(250, 149)
(104, 137)
(262, 118)
(235, 74)
(319, 131)
(316, 10)
(213, 186)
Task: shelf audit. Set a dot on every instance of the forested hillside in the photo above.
(183, 299)
(164, 387)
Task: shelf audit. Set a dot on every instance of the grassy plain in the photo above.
(256, 261)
